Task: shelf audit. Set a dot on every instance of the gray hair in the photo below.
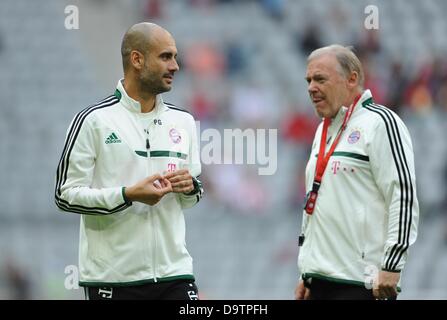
(347, 60)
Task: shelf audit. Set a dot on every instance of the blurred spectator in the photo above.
(204, 60)
(298, 127)
(203, 107)
(420, 98)
(153, 9)
(18, 282)
(369, 43)
(373, 81)
(274, 8)
(418, 90)
(310, 40)
(235, 57)
(396, 86)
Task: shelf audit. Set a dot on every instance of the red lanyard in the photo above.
(323, 159)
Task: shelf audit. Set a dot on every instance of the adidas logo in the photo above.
(112, 139)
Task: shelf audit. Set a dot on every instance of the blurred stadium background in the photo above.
(242, 66)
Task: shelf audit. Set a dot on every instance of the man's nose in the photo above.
(311, 87)
(173, 66)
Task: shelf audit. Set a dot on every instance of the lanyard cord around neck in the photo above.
(323, 159)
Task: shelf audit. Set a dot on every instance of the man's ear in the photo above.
(353, 80)
(136, 59)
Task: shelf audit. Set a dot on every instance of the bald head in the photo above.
(140, 37)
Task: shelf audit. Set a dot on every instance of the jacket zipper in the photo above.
(152, 216)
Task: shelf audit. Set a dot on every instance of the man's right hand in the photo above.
(149, 190)
(301, 292)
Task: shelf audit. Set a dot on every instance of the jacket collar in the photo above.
(133, 105)
(365, 98)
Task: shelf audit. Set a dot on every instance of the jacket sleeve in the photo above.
(392, 164)
(73, 190)
(195, 169)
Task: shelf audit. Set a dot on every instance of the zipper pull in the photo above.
(301, 240)
(148, 146)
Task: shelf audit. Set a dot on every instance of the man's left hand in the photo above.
(386, 286)
(181, 181)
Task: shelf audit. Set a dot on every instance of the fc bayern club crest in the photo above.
(175, 135)
(354, 137)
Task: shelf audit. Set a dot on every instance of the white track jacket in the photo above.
(109, 146)
(366, 214)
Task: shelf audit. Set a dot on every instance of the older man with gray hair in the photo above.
(361, 211)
